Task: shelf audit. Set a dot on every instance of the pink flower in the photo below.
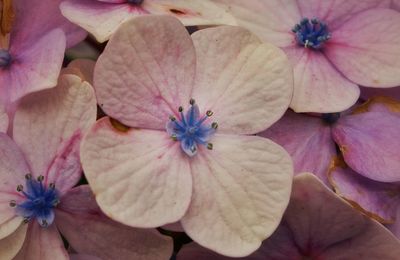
(318, 224)
(38, 172)
(333, 46)
(190, 104)
(102, 17)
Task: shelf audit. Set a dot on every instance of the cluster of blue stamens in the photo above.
(311, 33)
(39, 201)
(190, 130)
(5, 58)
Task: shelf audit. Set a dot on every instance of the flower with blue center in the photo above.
(311, 33)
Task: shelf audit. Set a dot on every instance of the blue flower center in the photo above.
(39, 201)
(5, 58)
(330, 118)
(191, 129)
(311, 33)
(135, 2)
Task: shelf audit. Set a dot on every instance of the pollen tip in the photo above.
(172, 118)
(209, 113)
(20, 188)
(44, 223)
(52, 185)
(209, 146)
(192, 101)
(174, 137)
(28, 176)
(40, 178)
(26, 220)
(214, 125)
(13, 203)
(180, 109)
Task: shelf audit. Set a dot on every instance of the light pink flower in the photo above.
(333, 46)
(102, 17)
(318, 224)
(228, 189)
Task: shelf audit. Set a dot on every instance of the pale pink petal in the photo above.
(33, 68)
(378, 200)
(3, 119)
(369, 145)
(10, 245)
(49, 125)
(83, 68)
(366, 48)
(90, 232)
(307, 139)
(240, 191)
(34, 18)
(13, 169)
(318, 86)
(367, 93)
(270, 20)
(246, 83)
(42, 243)
(140, 177)
(146, 72)
(103, 19)
(83, 257)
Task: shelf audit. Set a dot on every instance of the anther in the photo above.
(28, 176)
(20, 188)
(52, 186)
(192, 101)
(174, 137)
(56, 202)
(180, 109)
(172, 118)
(40, 178)
(209, 113)
(214, 125)
(13, 203)
(26, 220)
(209, 146)
(44, 223)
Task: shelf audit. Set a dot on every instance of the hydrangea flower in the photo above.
(364, 137)
(38, 172)
(102, 17)
(333, 46)
(32, 45)
(317, 225)
(181, 148)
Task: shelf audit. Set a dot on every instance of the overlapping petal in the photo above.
(146, 72)
(140, 177)
(246, 83)
(240, 191)
(49, 125)
(10, 245)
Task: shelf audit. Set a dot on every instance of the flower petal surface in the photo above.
(10, 245)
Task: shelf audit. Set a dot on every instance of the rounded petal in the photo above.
(369, 145)
(42, 243)
(13, 168)
(240, 191)
(246, 83)
(145, 87)
(307, 139)
(89, 231)
(49, 125)
(376, 199)
(270, 20)
(35, 67)
(366, 48)
(10, 245)
(318, 86)
(141, 178)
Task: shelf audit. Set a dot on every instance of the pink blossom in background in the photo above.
(102, 17)
(182, 148)
(333, 45)
(318, 224)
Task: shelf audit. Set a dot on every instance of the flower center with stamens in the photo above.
(191, 129)
(5, 58)
(135, 2)
(39, 201)
(311, 33)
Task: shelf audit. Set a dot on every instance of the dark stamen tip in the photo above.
(209, 113)
(13, 203)
(20, 188)
(26, 220)
(44, 223)
(180, 109)
(40, 178)
(209, 146)
(174, 137)
(214, 125)
(28, 176)
(192, 101)
(172, 118)
(52, 185)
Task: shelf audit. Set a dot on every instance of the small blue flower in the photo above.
(190, 130)
(311, 33)
(39, 201)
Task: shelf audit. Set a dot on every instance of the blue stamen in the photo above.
(5, 58)
(190, 131)
(39, 201)
(311, 33)
(135, 2)
(330, 118)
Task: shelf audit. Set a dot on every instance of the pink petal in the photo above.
(145, 87)
(246, 83)
(377, 200)
(83, 257)
(13, 168)
(318, 86)
(48, 127)
(34, 68)
(270, 20)
(369, 145)
(103, 19)
(89, 231)
(366, 48)
(10, 245)
(367, 93)
(140, 177)
(42, 243)
(83, 68)
(35, 18)
(307, 139)
(240, 191)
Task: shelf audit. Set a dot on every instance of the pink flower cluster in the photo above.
(212, 129)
